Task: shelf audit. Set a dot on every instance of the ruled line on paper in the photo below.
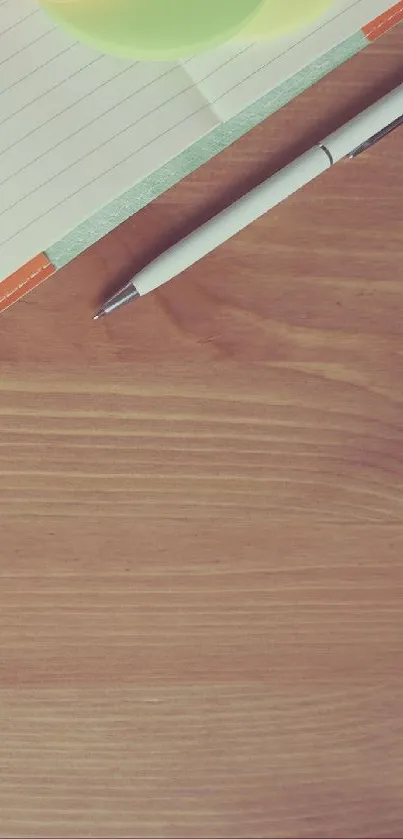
(107, 171)
(29, 134)
(47, 122)
(49, 90)
(19, 22)
(116, 135)
(238, 52)
(35, 41)
(41, 66)
(108, 112)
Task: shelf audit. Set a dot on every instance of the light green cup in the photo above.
(169, 29)
(153, 29)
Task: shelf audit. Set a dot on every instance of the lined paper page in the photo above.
(77, 129)
(235, 77)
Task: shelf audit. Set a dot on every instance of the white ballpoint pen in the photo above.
(362, 132)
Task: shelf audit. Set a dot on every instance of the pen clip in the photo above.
(376, 138)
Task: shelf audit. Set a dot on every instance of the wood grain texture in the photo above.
(201, 499)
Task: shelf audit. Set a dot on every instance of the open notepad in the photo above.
(78, 128)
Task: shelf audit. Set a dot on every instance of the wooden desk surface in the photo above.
(201, 618)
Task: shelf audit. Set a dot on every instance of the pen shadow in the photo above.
(288, 152)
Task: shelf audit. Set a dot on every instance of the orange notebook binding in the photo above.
(384, 23)
(24, 280)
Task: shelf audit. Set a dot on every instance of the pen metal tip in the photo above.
(125, 295)
(99, 314)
